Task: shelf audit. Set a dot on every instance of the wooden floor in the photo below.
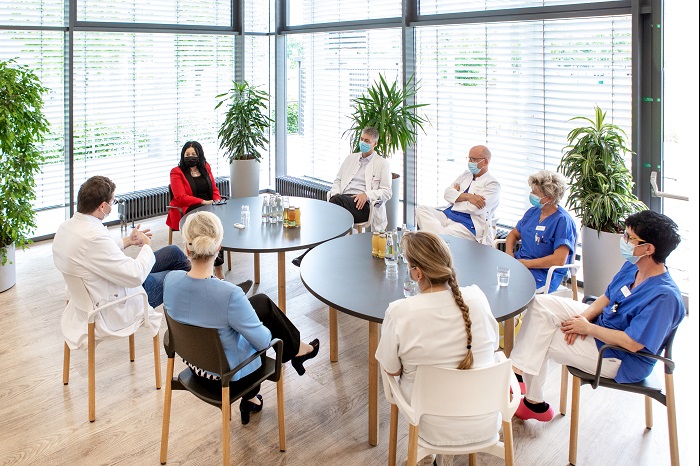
(43, 422)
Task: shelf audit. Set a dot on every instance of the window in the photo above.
(332, 11)
(186, 12)
(431, 7)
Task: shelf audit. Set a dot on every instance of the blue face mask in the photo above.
(474, 167)
(365, 147)
(627, 251)
(535, 201)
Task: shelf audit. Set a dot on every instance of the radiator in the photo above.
(147, 203)
(302, 187)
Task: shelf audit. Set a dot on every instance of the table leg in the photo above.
(508, 336)
(256, 267)
(281, 282)
(333, 328)
(373, 383)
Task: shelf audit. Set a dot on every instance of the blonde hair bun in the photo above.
(203, 233)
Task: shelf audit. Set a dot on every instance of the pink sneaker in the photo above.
(523, 388)
(525, 413)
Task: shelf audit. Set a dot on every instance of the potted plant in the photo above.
(601, 194)
(243, 134)
(22, 129)
(384, 108)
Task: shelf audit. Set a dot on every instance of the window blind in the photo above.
(185, 12)
(332, 11)
(431, 7)
(514, 87)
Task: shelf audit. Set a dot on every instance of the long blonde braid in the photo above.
(432, 255)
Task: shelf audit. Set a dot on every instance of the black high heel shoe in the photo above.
(248, 407)
(298, 362)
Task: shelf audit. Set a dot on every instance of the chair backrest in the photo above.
(78, 293)
(197, 345)
(457, 393)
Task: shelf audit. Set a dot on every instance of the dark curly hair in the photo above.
(657, 229)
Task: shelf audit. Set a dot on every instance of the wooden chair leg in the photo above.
(412, 445)
(472, 459)
(648, 412)
(66, 363)
(280, 412)
(393, 428)
(256, 267)
(91, 371)
(672, 422)
(226, 425)
(360, 229)
(170, 236)
(228, 255)
(563, 391)
(573, 430)
(333, 328)
(166, 411)
(132, 350)
(156, 359)
(507, 444)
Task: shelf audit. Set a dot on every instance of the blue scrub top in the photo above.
(540, 239)
(648, 315)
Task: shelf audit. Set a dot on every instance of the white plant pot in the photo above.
(601, 260)
(8, 273)
(245, 178)
(393, 214)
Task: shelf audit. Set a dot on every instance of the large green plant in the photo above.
(22, 128)
(601, 190)
(244, 129)
(383, 107)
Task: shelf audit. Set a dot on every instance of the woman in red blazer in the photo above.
(193, 185)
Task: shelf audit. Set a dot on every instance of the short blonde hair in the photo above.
(203, 233)
(551, 184)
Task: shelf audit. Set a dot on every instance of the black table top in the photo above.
(343, 274)
(320, 221)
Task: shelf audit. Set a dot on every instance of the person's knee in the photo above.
(336, 199)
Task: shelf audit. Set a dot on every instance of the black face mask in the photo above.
(191, 161)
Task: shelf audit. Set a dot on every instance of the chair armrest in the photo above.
(142, 294)
(574, 268)
(669, 364)
(276, 343)
(498, 241)
(394, 395)
(589, 299)
(179, 209)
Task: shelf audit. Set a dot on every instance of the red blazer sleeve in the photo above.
(216, 195)
(182, 192)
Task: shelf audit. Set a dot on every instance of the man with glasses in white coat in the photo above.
(473, 199)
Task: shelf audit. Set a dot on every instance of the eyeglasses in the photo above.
(475, 159)
(627, 238)
(113, 202)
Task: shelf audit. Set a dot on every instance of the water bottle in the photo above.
(402, 256)
(410, 287)
(265, 210)
(273, 209)
(392, 267)
(280, 209)
(397, 244)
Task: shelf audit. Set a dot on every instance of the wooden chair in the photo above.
(650, 387)
(82, 300)
(202, 348)
(455, 393)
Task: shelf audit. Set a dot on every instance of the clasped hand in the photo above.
(574, 327)
(139, 237)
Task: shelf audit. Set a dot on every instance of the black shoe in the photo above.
(297, 260)
(248, 407)
(246, 286)
(298, 362)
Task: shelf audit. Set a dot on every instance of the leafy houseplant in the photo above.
(383, 107)
(244, 129)
(22, 129)
(600, 194)
(601, 185)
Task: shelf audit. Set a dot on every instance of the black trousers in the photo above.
(280, 327)
(348, 203)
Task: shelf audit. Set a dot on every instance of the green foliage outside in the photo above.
(22, 129)
(601, 189)
(292, 117)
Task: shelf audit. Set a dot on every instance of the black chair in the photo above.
(202, 348)
(650, 387)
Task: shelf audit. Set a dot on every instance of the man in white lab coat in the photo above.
(473, 199)
(363, 185)
(84, 248)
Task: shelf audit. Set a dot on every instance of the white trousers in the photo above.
(540, 339)
(435, 221)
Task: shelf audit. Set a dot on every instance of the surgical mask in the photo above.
(627, 251)
(474, 167)
(535, 201)
(365, 147)
(191, 161)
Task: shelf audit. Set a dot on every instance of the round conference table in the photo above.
(343, 274)
(320, 222)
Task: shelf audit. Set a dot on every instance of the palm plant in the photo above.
(601, 191)
(244, 129)
(22, 129)
(383, 107)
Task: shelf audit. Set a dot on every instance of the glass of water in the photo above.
(503, 274)
(245, 214)
(410, 287)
